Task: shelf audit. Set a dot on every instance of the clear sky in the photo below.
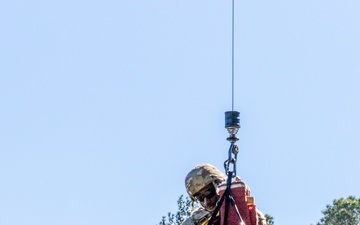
(106, 105)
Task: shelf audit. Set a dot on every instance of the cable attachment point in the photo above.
(235, 150)
(232, 124)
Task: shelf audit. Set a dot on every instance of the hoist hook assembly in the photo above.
(232, 124)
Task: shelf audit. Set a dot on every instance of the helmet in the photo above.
(200, 177)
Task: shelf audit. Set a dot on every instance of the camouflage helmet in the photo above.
(201, 176)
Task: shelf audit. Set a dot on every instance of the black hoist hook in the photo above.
(232, 124)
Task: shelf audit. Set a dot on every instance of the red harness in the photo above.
(245, 211)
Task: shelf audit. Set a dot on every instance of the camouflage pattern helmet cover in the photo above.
(201, 176)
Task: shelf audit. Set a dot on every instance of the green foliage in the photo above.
(185, 207)
(269, 219)
(342, 212)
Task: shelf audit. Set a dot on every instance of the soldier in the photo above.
(202, 185)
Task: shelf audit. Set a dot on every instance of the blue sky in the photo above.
(106, 105)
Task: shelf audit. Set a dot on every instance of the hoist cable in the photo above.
(232, 54)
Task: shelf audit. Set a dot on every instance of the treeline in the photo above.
(342, 211)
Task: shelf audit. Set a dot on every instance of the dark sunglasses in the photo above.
(207, 194)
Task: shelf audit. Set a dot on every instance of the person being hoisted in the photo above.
(205, 184)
